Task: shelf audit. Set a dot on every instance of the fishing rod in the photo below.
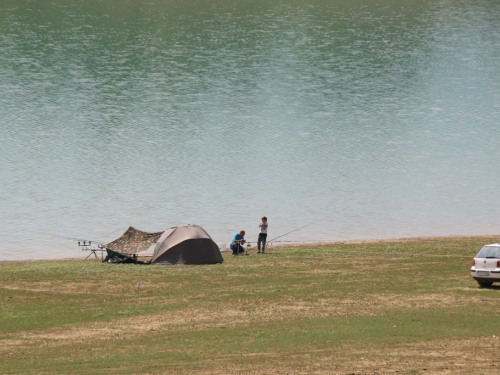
(86, 245)
(79, 239)
(283, 235)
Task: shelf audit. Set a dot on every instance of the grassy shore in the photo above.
(386, 307)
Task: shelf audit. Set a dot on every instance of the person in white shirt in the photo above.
(262, 236)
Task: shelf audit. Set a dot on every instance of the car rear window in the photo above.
(489, 252)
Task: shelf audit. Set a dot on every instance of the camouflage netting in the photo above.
(133, 241)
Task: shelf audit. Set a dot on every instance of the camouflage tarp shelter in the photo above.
(133, 241)
(186, 244)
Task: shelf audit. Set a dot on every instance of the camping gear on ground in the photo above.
(186, 244)
(115, 257)
(85, 245)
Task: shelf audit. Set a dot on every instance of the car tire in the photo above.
(485, 284)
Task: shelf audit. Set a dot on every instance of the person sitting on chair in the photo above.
(238, 241)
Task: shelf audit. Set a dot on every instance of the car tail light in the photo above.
(473, 262)
(498, 264)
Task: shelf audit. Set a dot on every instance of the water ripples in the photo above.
(377, 122)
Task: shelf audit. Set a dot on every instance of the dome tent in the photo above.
(186, 244)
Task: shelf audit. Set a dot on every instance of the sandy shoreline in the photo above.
(492, 238)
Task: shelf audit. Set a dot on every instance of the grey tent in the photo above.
(186, 244)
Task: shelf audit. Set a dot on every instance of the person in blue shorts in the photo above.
(238, 241)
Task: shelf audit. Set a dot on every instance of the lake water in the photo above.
(367, 120)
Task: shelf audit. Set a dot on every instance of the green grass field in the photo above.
(388, 307)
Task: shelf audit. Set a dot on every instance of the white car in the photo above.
(486, 265)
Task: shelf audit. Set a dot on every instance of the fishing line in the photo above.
(283, 235)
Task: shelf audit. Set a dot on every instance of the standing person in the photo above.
(238, 240)
(262, 235)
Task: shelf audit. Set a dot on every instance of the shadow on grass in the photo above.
(491, 287)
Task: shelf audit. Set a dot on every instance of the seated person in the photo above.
(238, 240)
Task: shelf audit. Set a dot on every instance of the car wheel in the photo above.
(485, 284)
